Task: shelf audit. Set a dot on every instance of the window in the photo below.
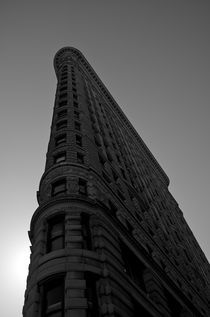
(63, 88)
(75, 104)
(73, 84)
(60, 157)
(53, 298)
(62, 114)
(118, 158)
(80, 158)
(123, 173)
(112, 207)
(75, 96)
(59, 187)
(55, 239)
(78, 140)
(86, 233)
(63, 82)
(62, 96)
(61, 125)
(64, 77)
(133, 267)
(62, 103)
(91, 295)
(82, 186)
(74, 89)
(76, 115)
(77, 126)
(60, 139)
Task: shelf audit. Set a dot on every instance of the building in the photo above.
(108, 239)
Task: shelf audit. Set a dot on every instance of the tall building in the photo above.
(108, 239)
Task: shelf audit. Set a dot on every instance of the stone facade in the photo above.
(108, 239)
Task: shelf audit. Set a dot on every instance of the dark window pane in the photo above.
(56, 244)
(53, 299)
(64, 95)
(62, 113)
(57, 228)
(86, 233)
(61, 157)
(60, 139)
(54, 295)
(61, 124)
(77, 125)
(76, 115)
(59, 187)
(56, 234)
(82, 186)
(78, 140)
(62, 103)
(80, 158)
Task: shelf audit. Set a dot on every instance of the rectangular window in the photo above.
(77, 126)
(75, 96)
(112, 207)
(60, 139)
(82, 186)
(64, 77)
(63, 88)
(133, 267)
(74, 89)
(61, 125)
(60, 157)
(91, 295)
(75, 104)
(78, 140)
(86, 233)
(62, 96)
(62, 103)
(56, 236)
(59, 187)
(73, 84)
(63, 82)
(62, 113)
(53, 298)
(76, 115)
(80, 158)
(123, 173)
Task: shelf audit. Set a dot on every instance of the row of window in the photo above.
(61, 157)
(63, 125)
(56, 233)
(60, 187)
(52, 295)
(61, 139)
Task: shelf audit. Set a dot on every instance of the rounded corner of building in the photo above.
(63, 50)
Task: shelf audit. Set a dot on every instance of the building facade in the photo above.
(108, 239)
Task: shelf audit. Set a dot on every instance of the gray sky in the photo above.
(153, 56)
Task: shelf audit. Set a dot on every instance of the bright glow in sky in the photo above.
(152, 55)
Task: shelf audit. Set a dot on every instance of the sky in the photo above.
(152, 55)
